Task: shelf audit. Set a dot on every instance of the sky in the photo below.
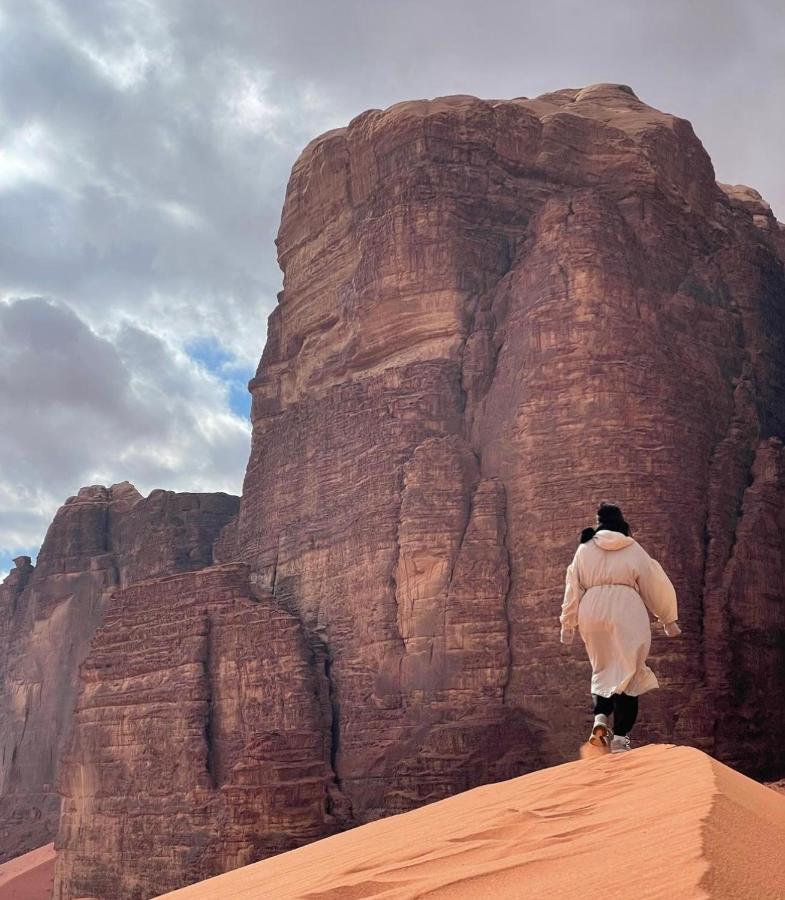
(145, 147)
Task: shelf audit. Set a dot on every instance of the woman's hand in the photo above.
(672, 629)
(567, 634)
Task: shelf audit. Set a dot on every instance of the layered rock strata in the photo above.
(201, 740)
(99, 539)
(494, 314)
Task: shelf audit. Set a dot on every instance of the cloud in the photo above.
(145, 147)
(151, 186)
(84, 409)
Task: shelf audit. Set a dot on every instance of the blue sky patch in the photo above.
(215, 358)
(7, 559)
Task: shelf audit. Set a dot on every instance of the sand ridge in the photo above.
(28, 877)
(658, 822)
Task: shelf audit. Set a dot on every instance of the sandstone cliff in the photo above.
(99, 539)
(201, 739)
(494, 314)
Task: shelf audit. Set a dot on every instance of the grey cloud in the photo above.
(719, 63)
(150, 196)
(82, 409)
(50, 358)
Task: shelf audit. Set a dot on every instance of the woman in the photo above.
(610, 583)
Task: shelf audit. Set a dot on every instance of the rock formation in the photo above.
(201, 740)
(99, 539)
(494, 314)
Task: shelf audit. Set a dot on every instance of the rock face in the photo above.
(201, 740)
(495, 313)
(99, 539)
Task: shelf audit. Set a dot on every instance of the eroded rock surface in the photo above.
(495, 313)
(99, 539)
(201, 741)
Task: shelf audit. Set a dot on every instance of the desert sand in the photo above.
(657, 822)
(28, 877)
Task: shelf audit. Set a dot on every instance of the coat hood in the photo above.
(611, 540)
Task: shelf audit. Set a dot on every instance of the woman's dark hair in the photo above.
(609, 516)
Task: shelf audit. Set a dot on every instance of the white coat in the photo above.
(610, 583)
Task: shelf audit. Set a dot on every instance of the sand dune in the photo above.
(30, 876)
(659, 822)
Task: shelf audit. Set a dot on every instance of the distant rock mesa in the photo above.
(100, 539)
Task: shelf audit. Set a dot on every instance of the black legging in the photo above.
(623, 707)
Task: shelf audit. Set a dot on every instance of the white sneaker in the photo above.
(601, 733)
(620, 743)
(601, 721)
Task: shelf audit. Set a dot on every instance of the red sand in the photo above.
(30, 876)
(657, 823)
